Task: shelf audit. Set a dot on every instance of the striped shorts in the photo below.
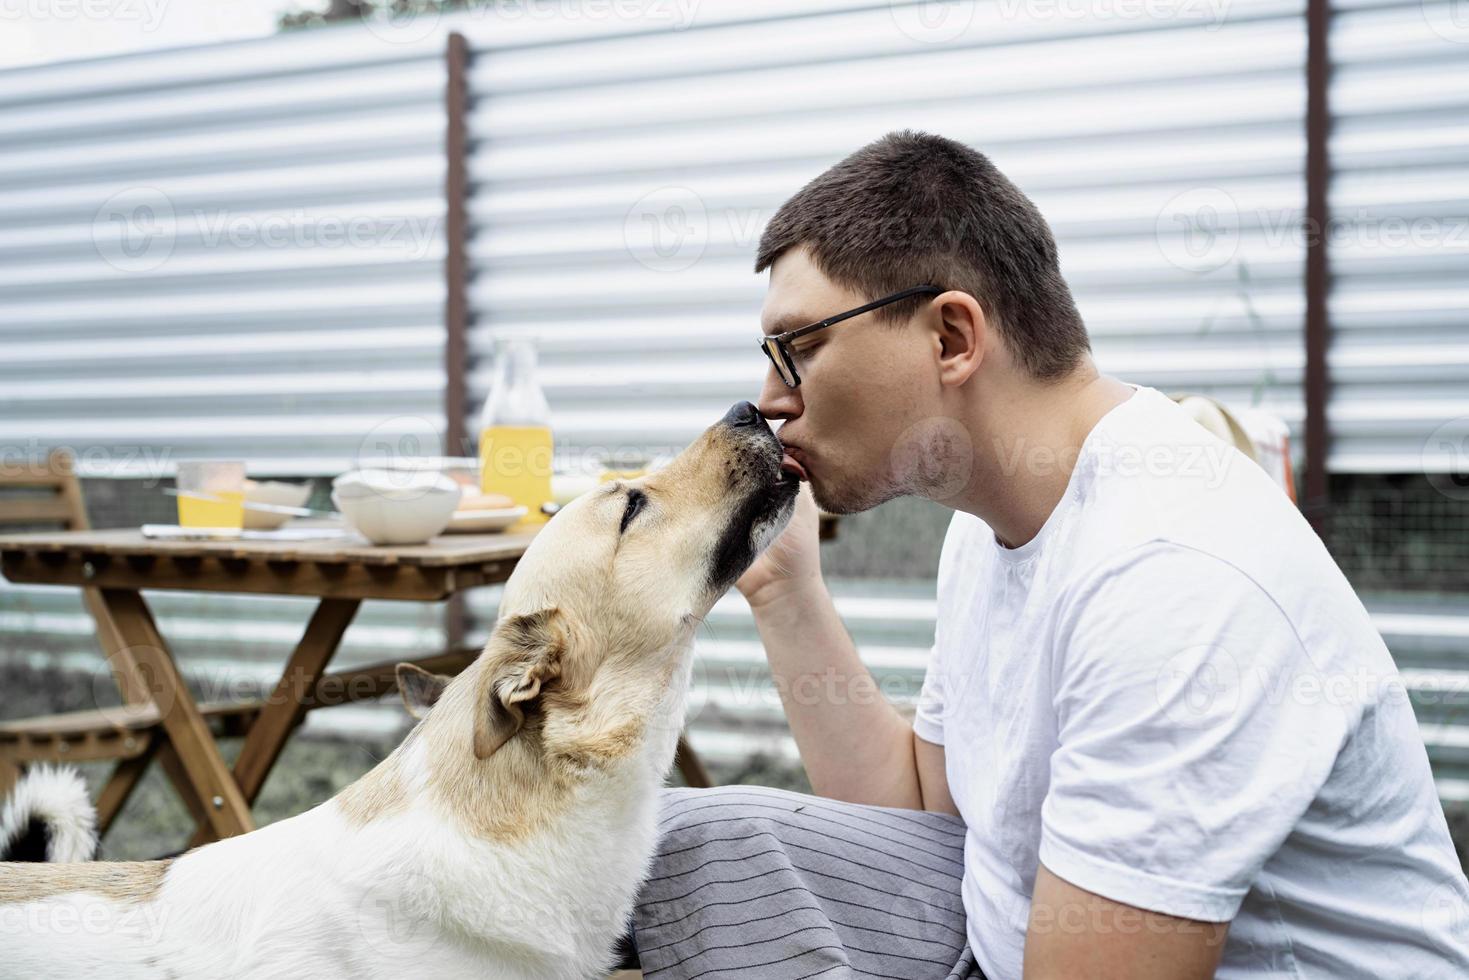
(756, 882)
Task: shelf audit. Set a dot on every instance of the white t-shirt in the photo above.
(1172, 697)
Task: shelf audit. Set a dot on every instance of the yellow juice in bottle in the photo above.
(227, 511)
(516, 460)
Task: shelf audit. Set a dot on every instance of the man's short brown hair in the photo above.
(914, 209)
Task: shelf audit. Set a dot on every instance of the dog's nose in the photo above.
(741, 413)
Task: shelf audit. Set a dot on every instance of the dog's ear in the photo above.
(419, 688)
(524, 655)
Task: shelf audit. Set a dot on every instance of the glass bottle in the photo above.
(515, 447)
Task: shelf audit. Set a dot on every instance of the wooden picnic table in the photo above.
(339, 572)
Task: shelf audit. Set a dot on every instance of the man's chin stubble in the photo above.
(852, 500)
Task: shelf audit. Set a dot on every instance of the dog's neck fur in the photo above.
(570, 742)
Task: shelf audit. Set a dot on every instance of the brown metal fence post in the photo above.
(1315, 496)
(456, 283)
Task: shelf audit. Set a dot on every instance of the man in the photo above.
(1176, 742)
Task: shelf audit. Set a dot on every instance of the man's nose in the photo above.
(742, 414)
(776, 400)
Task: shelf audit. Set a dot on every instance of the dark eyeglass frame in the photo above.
(776, 346)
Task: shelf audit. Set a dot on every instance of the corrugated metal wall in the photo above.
(1400, 237)
(232, 251)
(622, 168)
(621, 185)
(1399, 308)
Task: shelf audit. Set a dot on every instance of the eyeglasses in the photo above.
(777, 346)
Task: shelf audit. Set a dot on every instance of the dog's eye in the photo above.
(635, 501)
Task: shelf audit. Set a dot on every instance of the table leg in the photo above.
(9, 776)
(692, 767)
(125, 778)
(210, 779)
(286, 704)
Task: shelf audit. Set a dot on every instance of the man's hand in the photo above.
(793, 560)
(1076, 935)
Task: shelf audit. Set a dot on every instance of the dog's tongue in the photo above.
(788, 464)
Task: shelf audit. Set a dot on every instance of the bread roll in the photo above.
(485, 501)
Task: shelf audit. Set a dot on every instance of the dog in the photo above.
(507, 835)
(48, 817)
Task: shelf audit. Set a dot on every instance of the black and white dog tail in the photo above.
(49, 817)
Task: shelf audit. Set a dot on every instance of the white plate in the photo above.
(483, 521)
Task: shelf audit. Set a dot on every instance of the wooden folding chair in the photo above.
(48, 496)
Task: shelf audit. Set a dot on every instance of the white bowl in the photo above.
(277, 494)
(389, 507)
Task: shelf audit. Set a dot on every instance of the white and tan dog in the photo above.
(507, 836)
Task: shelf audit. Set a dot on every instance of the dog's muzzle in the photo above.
(765, 494)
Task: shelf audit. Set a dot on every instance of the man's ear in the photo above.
(962, 330)
(419, 688)
(523, 655)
